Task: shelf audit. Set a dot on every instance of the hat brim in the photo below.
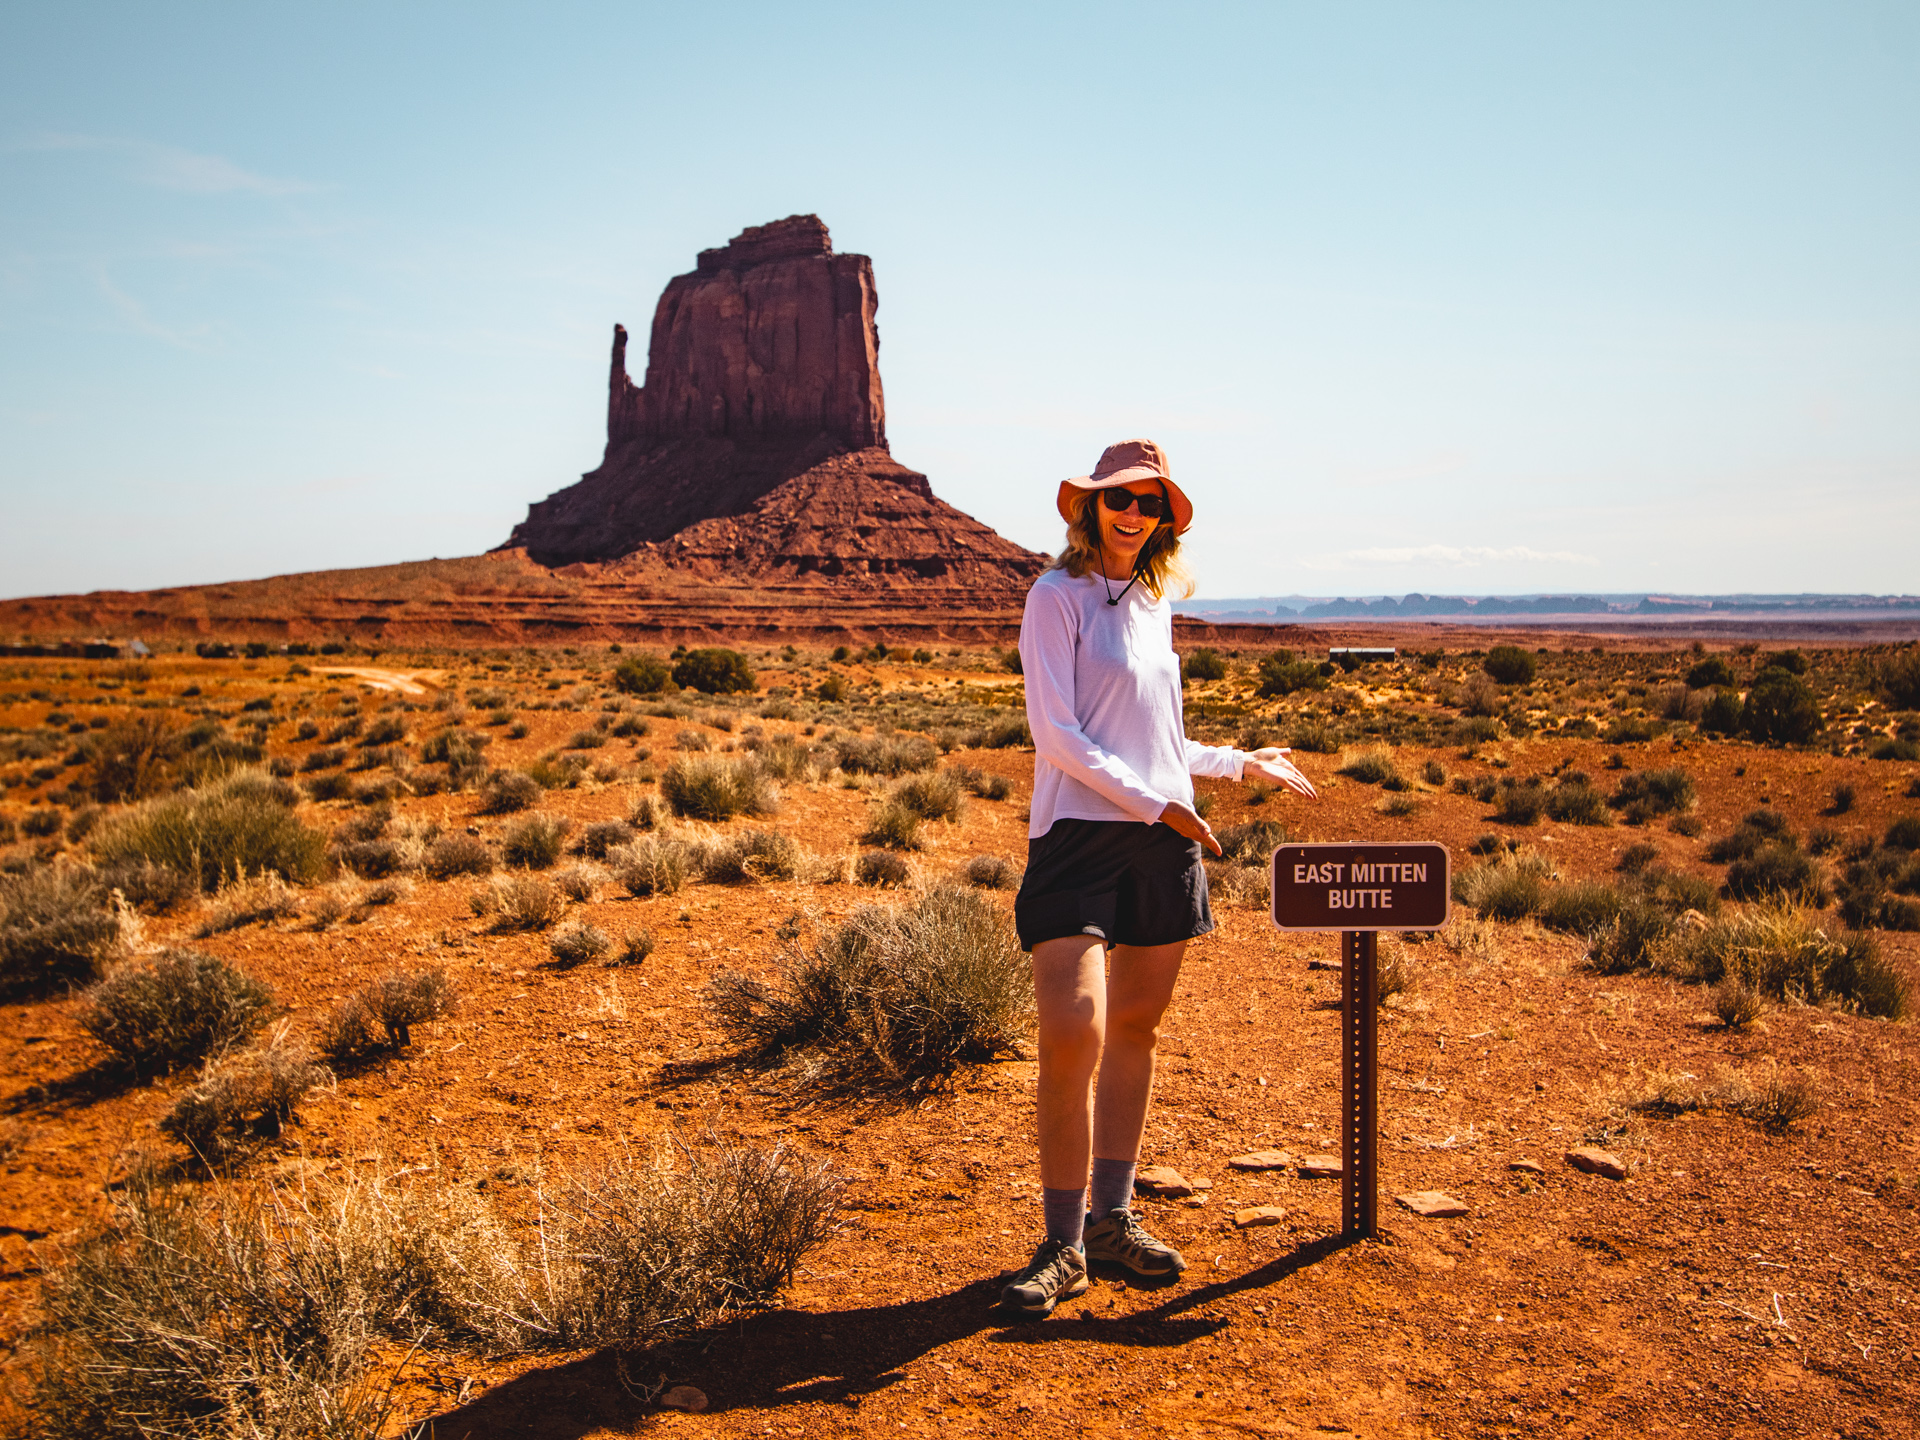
(1072, 490)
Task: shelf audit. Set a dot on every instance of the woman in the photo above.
(1114, 887)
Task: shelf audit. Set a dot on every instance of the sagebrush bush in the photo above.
(1581, 907)
(1007, 733)
(1736, 1003)
(132, 757)
(241, 825)
(505, 791)
(882, 868)
(458, 854)
(1252, 843)
(1370, 767)
(251, 900)
(1578, 803)
(1204, 663)
(518, 902)
(1281, 674)
(177, 1008)
(894, 826)
(1777, 871)
(889, 1000)
(578, 942)
(534, 842)
(1780, 708)
(979, 782)
(634, 948)
(885, 755)
(604, 835)
(752, 855)
(57, 927)
(984, 872)
(1314, 736)
(1629, 943)
(1517, 804)
(242, 1102)
(714, 670)
(693, 741)
(1655, 792)
(1781, 951)
(715, 789)
(934, 796)
(1509, 887)
(655, 864)
(1510, 665)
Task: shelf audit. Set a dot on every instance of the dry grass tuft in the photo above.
(243, 1102)
(518, 902)
(250, 900)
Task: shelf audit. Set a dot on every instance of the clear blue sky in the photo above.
(1461, 297)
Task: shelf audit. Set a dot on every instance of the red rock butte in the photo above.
(746, 491)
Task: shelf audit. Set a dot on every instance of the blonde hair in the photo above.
(1159, 563)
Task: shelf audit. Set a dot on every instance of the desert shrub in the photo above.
(1712, 673)
(1904, 832)
(716, 789)
(455, 748)
(714, 671)
(1009, 732)
(1794, 662)
(881, 868)
(329, 787)
(887, 755)
(177, 1008)
(754, 855)
(146, 886)
(578, 882)
(243, 824)
(1895, 748)
(979, 782)
(131, 758)
(1655, 792)
(1897, 678)
(1721, 713)
(642, 675)
(386, 730)
(1393, 969)
(1581, 907)
(1204, 663)
(894, 826)
(517, 902)
(371, 859)
(577, 943)
(934, 796)
(458, 854)
(1370, 767)
(1252, 843)
(1474, 730)
(505, 791)
(653, 865)
(1631, 730)
(41, 823)
(1782, 952)
(891, 999)
(534, 842)
(398, 1001)
(1281, 674)
(1508, 887)
(57, 927)
(1479, 699)
(1519, 804)
(1778, 871)
(1434, 773)
(833, 689)
(1780, 709)
(984, 872)
(1823, 840)
(785, 758)
(1630, 940)
(1736, 1003)
(1637, 857)
(604, 835)
(1843, 798)
(252, 900)
(242, 1102)
(1248, 885)
(1510, 665)
(1314, 736)
(1577, 803)
(693, 741)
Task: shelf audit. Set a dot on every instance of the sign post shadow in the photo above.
(1360, 890)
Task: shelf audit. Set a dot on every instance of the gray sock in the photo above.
(1066, 1215)
(1112, 1186)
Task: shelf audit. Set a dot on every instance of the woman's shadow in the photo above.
(778, 1358)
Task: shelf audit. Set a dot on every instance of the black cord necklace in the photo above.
(1113, 599)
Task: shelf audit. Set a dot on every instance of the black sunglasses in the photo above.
(1118, 499)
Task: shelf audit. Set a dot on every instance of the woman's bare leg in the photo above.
(1070, 991)
(1137, 996)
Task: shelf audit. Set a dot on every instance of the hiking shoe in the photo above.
(1118, 1238)
(1057, 1272)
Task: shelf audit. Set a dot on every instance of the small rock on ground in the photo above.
(1255, 1215)
(685, 1397)
(1262, 1160)
(1594, 1161)
(1529, 1167)
(1434, 1204)
(1322, 1167)
(1163, 1181)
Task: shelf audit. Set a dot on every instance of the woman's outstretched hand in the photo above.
(1185, 820)
(1272, 764)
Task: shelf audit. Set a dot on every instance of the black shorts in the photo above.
(1128, 883)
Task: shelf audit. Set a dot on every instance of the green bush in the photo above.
(1631, 941)
(1577, 803)
(1205, 663)
(714, 671)
(1581, 907)
(1712, 673)
(1508, 888)
(242, 825)
(1897, 678)
(1510, 665)
(638, 674)
(1518, 804)
(1781, 952)
(891, 1000)
(1372, 767)
(1655, 792)
(1281, 674)
(715, 789)
(1778, 871)
(57, 927)
(1780, 709)
(1314, 736)
(1794, 662)
(1722, 714)
(1007, 733)
(178, 1008)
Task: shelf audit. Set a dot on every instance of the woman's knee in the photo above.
(1137, 1029)
(1072, 1039)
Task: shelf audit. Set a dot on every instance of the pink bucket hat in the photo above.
(1122, 464)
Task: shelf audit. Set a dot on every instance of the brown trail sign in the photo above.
(1360, 890)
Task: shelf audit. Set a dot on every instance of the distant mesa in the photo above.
(756, 451)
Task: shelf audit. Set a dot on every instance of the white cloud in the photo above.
(167, 167)
(1462, 557)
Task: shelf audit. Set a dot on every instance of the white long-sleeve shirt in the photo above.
(1103, 702)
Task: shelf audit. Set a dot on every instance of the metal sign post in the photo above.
(1360, 890)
